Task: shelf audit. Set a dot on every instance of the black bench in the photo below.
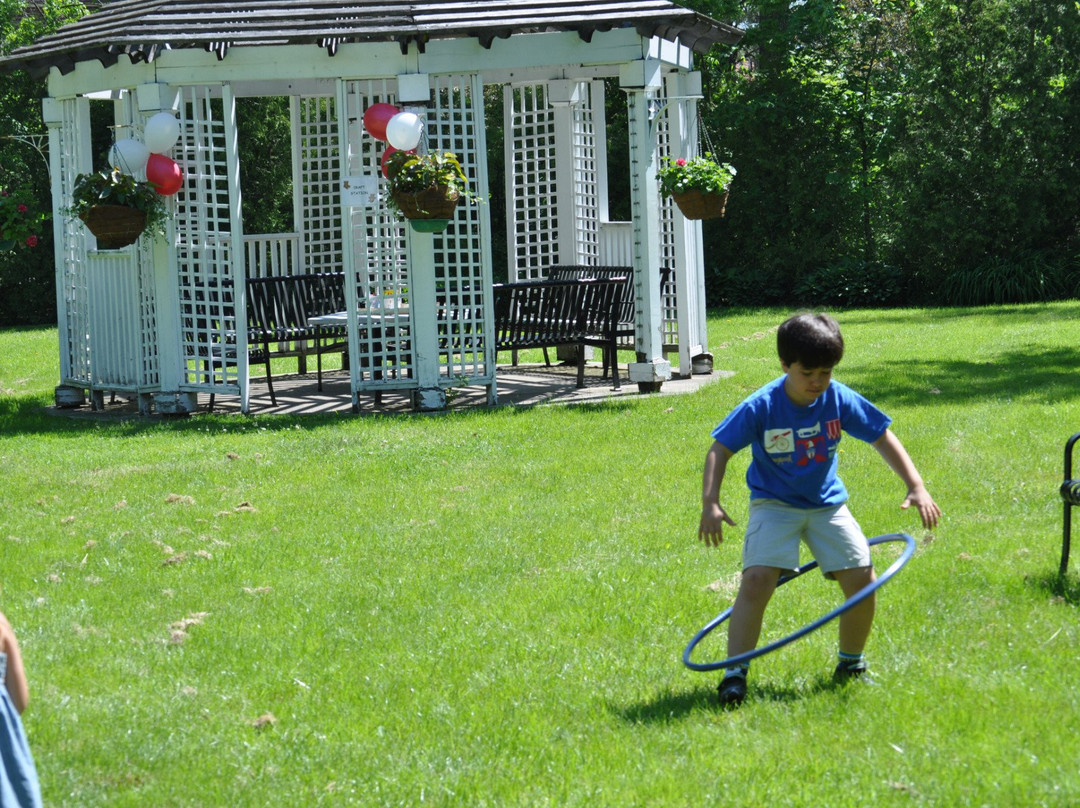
(279, 310)
(625, 298)
(624, 316)
(546, 314)
(1070, 495)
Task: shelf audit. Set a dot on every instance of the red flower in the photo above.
(31, 241)
(680, 162)
(22, 208)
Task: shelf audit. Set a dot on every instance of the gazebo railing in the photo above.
(271, 255)
(616, 244)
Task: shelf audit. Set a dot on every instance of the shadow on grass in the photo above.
(670, 705)
(1050, 374)
(1066, 587)
(32, 415)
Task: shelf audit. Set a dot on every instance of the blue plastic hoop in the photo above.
(854, 600)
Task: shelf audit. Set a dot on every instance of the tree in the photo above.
(802, 108)
(27, 285)
(988, 169)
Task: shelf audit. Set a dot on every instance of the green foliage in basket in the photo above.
(410, 173)
(114, 187)
(696, 174)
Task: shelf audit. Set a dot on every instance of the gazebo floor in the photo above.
(521, 386)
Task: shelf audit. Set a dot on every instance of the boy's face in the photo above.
(804, 385)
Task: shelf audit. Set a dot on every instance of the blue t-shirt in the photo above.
(794, 448)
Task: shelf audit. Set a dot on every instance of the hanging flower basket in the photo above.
(429, 210)
(698, 205)
(436, 202)
(699, 185)
(117, 208)
(426, 188)
(114, 226)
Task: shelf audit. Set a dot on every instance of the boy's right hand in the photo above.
(711, 529)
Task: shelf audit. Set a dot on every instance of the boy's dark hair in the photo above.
(812, 340)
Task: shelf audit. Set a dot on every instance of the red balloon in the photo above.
(164, 174)
(386, 160)
(376, 117)
(390, 152)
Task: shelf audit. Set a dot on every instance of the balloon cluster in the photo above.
(401, 130)
(148, 155)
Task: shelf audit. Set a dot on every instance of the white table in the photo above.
(386, 320)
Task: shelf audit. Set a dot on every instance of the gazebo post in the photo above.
(428, 396)
(640, 80)
(684, 91)
(65, 395)
(154, 98)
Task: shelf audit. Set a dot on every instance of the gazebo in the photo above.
(162, 320)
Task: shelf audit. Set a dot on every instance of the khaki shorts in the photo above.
(775, 529)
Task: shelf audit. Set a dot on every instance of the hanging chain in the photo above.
(704, 134)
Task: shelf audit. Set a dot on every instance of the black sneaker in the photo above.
(732, 690)
(847, 671)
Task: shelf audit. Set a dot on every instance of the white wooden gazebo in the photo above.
(152, 321)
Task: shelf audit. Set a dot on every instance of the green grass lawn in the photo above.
(488, 608)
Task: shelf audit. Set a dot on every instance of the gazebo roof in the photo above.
(142, 29)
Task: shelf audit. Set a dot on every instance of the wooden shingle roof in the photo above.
(142, 29)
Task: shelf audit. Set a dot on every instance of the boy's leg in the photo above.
(838, 544)
(755, 591)
(856, 622)
(744, 627)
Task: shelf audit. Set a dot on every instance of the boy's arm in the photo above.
(713, 516)
(16, 677)
(895, 455)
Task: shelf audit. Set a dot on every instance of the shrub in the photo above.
(744, 286)
(854, 283)
(1025, 278)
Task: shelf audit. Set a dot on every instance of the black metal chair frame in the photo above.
(1070, 496)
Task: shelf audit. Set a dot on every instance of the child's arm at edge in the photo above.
(896, 457)
(16, 677)
(713, 516)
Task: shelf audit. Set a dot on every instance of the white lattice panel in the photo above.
(461, 271)
(385, 325)
(69, 156)
(586, 176)
(382, 352)
(209, 340)
(106, 301)
(529, 150)
(668, 294)
(317, 176)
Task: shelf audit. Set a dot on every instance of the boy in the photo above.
(793, 426)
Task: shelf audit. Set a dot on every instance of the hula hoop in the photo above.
(854, 600)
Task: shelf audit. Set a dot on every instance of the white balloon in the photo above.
(161, 132)
(404, 131)
(130, 155)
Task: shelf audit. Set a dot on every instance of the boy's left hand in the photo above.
(928, 510)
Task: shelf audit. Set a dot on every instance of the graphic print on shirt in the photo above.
(810, 446)
(810, 450)
(779, 441)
